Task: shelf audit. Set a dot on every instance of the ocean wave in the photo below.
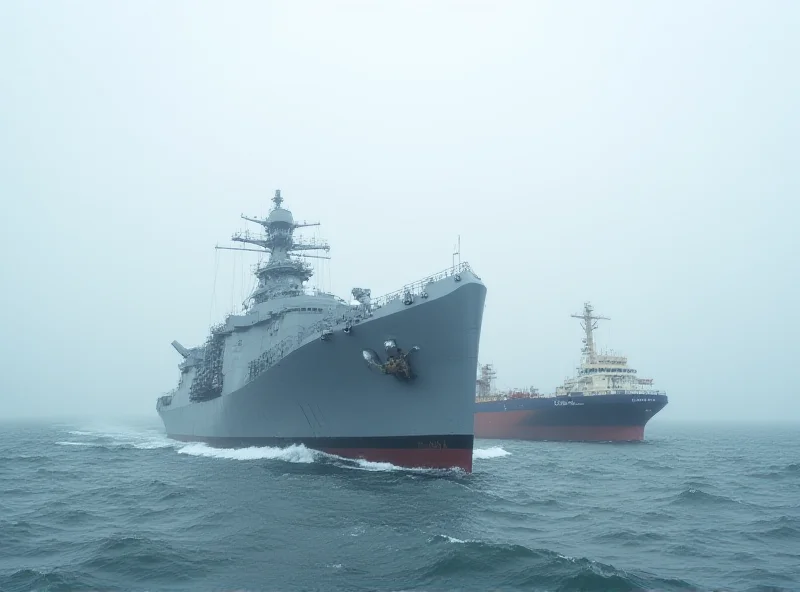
(143, 558)
(27, 580)
(33, 459)
(697, 483)
(449, 539)
(782, 528)
(695, 497)
(114, 438)
(15, 533)
(658, 516)
(768, 580)
(360, 464)
(101, 563)
(777, 472)
(686, 550)
(782, 532)
(653, 465)
(520, 499)
(50, 473)
(520, 567)
(73, 517)
(16, 491)
(629, 537)
(157, 489)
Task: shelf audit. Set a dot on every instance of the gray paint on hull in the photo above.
(325, 389)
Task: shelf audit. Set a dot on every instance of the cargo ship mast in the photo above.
(282, 275)
(484, 384)
(589, 324)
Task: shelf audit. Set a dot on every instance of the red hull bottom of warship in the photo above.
(455, 458)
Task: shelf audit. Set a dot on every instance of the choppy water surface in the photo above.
(119, 507)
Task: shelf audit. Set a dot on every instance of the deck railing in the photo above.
(416, 288)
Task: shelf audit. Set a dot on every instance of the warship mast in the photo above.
(282, 275)
(589, 324)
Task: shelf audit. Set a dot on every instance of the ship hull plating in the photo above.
(324, 395)
(595, 418)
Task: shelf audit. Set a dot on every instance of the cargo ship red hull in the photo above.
(594, 418)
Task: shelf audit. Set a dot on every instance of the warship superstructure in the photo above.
(604, 401)
(384, 379)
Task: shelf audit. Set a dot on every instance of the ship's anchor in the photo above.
(397, 363)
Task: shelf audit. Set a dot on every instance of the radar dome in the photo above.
(280, 215)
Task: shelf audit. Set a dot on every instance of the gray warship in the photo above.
(389, 379)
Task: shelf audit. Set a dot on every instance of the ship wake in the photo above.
(293, 454)
(114, 438)
(298, 453)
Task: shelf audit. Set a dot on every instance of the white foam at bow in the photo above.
(487, 453)
(294, 453)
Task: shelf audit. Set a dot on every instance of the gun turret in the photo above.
(180, 349)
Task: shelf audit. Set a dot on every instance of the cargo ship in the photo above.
(604, 401)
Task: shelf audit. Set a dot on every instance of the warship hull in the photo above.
(587, 418)
(324, 395)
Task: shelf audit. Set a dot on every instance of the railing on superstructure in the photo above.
(609, 392)
(416, 288)
(490, 398)
(289, 262)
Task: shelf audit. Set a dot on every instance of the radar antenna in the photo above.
(283, 274)
(589, 324)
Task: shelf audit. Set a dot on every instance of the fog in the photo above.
(641, 156)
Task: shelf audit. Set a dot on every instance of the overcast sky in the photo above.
(641, 155)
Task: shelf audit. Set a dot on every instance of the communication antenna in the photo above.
(589, 325)
(457, 252)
